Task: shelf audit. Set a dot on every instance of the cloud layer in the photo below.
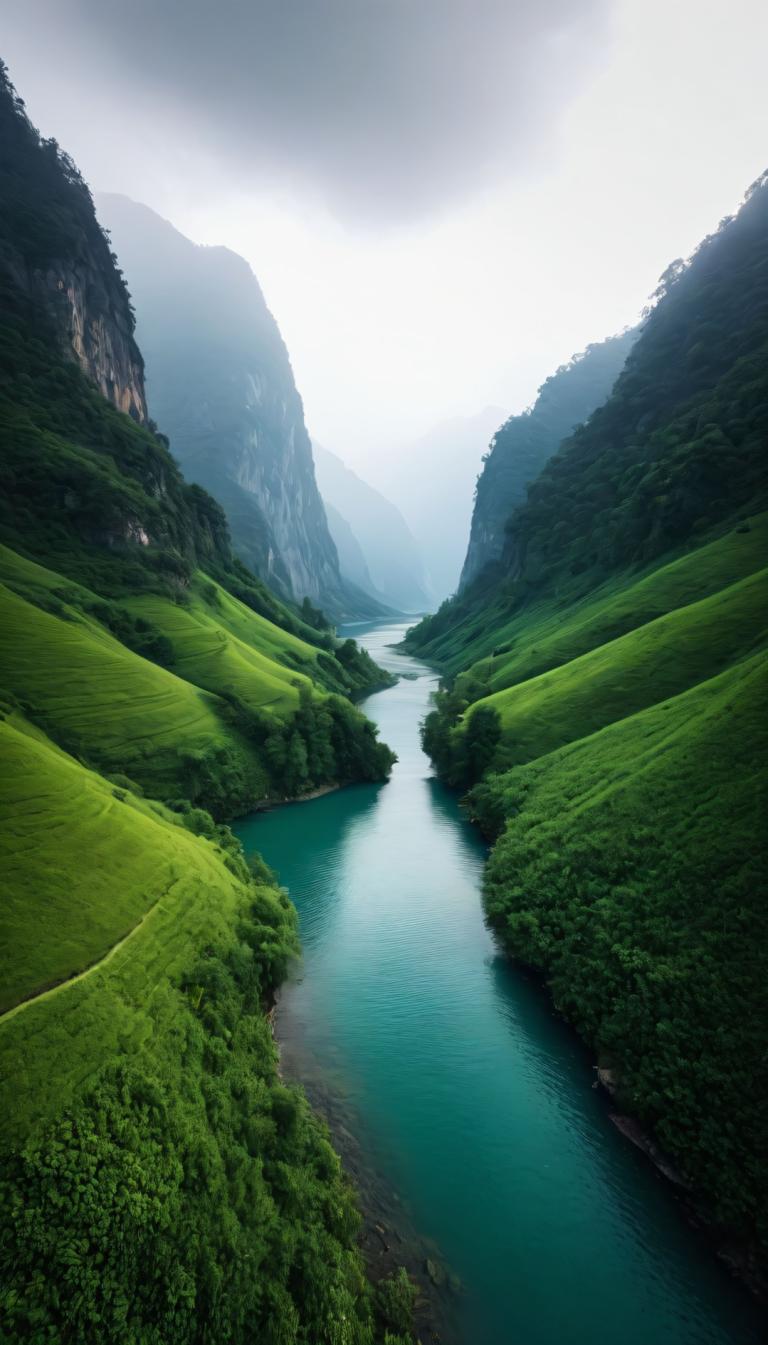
(384, 109)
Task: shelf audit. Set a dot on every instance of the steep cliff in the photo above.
(390, 551)
(55, 257)
(220, 384)
(524, 443)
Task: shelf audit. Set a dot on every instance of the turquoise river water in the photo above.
(475, 1101)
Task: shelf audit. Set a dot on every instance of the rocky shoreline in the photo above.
(742, 1260)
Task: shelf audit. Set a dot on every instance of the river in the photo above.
(472, 1099)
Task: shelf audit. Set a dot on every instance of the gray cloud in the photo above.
(386, 109)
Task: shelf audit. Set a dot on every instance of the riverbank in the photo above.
(743, 1261)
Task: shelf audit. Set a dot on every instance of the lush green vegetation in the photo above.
(225, 725)
(613, 677)
(631, 870)
(676, 449)
(680, 443)
(161, 1183)
(605, 696)
(158, 1182)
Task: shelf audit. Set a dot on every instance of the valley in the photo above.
(355, 957)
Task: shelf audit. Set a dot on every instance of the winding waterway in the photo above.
(474, 1101)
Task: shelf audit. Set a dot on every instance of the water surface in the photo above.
(476, 1102)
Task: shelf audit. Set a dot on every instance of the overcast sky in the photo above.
(443, 199)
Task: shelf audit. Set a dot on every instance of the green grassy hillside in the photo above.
(594, 673)
(159, 1175)
(149, 878)
(177, 731)
(616, 679)
(504, 642)
(104, 702)
(83, 815)
(219, 642)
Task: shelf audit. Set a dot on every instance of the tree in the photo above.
(481, 738)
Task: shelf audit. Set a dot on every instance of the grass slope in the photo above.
(502, 648)
(82, 815)
(159, 1180)
(173, 730)
(559, 670)
(58, 815)
(659, 659)
(220, 644)
(102, 700)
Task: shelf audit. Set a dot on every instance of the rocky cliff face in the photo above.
(56, 261)
(99, 331)
(525, 443)
(221, 386)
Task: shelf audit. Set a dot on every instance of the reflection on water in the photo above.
(475, 1099)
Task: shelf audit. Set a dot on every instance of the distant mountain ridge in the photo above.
(221, 386)
(352, 562)
(431, 481)
(390, 553)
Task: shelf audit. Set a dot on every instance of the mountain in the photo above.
(390, 553)
(607, 708)
(524, 443)
(432, 481)
(220, 383)
(160, 1181)
(352, 562)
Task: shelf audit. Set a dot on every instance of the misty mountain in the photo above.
(352, 562)
(432, 481)
(220, 384)
(390, 553)
(525, 443)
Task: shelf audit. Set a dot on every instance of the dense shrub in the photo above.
(193, 1198)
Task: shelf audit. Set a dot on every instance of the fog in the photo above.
(443, 200)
